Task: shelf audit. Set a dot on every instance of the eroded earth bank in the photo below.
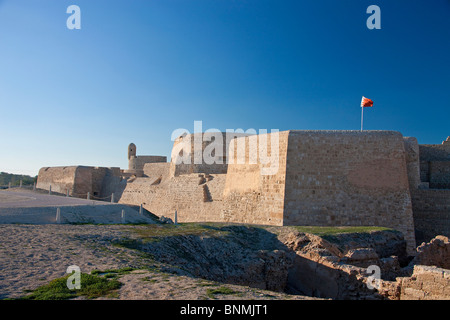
(218, 261)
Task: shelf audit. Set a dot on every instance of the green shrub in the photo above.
(92, 286)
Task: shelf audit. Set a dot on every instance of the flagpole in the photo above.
(362, 117)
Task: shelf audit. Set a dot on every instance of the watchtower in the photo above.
(131, 150)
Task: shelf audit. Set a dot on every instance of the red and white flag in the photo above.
(366, 102)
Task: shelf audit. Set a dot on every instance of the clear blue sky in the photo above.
(137, 70)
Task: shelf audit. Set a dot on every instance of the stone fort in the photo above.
(320, 178)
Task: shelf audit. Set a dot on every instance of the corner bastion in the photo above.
(77, 181)
(328, 178)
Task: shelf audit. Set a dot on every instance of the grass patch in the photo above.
(328, 231)
(155, 232)
(211, 293)
(121, 271)
(92, 286)
(149, 279)
(206, 284)
(128, 243)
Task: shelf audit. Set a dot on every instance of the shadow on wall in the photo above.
(113, 185)
(343, 282)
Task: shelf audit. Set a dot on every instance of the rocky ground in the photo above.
(32, 255)
(213, 261)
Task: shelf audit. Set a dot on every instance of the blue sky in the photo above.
(137, 70)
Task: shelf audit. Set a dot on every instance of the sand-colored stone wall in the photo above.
(334, 178)
(60, 179)
(412, 161)
(250, 195)
(207, 151)
(330, 178)
(138, 162)
(435, 165)
(348, 178)
(77, 180)
(439, 173)
(157, 170)
(193, 196)
(431, 209)
(426, 283)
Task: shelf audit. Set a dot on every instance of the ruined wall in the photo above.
(434, 253)
(352, 178)
(426, 283)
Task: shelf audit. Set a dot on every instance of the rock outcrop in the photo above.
(434, 253)
(370, 265)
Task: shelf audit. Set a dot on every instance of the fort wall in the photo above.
(195, 197)
(60, 179)
(157, 170)
(78, 181)
(435, 164)
(412, 161)
(138, 162)
(332, 178)
(431, 209)
(249, 195)
(348, 178)
(431, 202)
(205, 152)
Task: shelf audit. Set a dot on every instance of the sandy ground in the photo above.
(17, 197)
(34, 250)
(33, 255)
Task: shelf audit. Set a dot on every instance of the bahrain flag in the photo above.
(366, 102)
